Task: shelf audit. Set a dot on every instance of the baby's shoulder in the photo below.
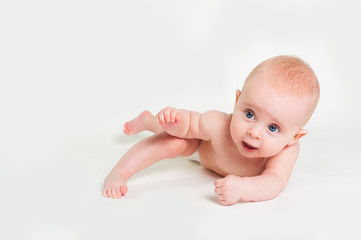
(216, 122)
(216, 117)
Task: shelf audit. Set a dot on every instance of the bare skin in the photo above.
(145, 153)
(254, 148)
(243, 176)
(145, 121)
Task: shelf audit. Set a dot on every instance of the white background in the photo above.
(72, 72)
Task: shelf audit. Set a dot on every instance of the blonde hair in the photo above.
(289, 75)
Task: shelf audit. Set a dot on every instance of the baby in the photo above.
(254, 148)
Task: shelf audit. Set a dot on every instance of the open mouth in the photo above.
(248, 147)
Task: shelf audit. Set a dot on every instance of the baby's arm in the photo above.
(266, 186)
(188, 124)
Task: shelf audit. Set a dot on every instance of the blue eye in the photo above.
(249, 114)
(273, 128)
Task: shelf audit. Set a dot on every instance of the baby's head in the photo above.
(277, 99)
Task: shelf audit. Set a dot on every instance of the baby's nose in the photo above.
(251, 132)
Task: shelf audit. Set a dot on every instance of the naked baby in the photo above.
(254, 149)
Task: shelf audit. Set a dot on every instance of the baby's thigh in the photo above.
(175, 146)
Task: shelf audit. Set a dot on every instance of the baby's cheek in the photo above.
(270, 150)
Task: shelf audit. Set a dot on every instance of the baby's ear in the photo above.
(298, 135)
(238, 93)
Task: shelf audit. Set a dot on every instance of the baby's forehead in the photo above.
(298, 84)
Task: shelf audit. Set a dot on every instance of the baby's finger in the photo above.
(172, 116)
(161, 117)
(224, 203)
(218, 182)
(167, 115)
(177, 118)
(157, 118)
(218, 190)
(220, 197)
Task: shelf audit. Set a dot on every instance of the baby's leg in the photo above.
(145, 121)
(143, 154)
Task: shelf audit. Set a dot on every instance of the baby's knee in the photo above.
(192, 146)
(182, 147)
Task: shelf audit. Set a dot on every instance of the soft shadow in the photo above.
(214, 199)
(212, 174)
(125, 139)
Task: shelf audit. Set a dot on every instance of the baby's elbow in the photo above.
(279, 181)
(280, 186)
(277, 186)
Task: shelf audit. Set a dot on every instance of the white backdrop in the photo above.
(72, 72)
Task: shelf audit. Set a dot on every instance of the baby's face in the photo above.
(264, 122)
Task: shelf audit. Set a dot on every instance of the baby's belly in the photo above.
(211, 162)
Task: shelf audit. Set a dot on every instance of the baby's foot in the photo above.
(115, 185)
(138, 124)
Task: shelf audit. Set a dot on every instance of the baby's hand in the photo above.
(170, 119)
(228, 189)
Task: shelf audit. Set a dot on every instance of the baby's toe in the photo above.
(123, 190)
(118, 193)
(114, 193)
(107, 193)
